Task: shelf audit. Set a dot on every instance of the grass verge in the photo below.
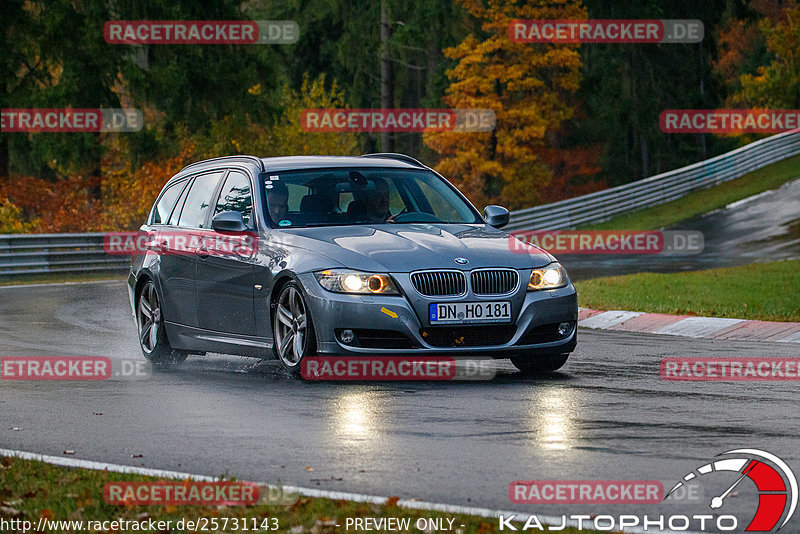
(762, 291)
(705, 200)
(30, 490)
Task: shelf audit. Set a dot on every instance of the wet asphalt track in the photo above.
(764, 227)
(608, 415)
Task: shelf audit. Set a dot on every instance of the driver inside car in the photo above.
(372, 204)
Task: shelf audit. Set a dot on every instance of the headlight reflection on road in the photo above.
(355, 416)
(551, 419)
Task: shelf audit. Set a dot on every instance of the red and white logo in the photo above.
(775, 483)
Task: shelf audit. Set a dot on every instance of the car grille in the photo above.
(439, 283)
(494, 281)
(468, 336)
(382, 339)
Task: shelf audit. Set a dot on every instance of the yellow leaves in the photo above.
(777, 84)
(11, 221)
(528, 87)
(287, 137)
(255, 90)
(128, 196)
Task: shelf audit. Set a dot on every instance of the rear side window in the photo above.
(176, 213)
(166, 202)
(236, 196)
(198, 201)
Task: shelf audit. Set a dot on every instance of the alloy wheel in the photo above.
(148, 318)
(291, 322)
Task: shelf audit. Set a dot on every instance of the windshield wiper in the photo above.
(354, 223)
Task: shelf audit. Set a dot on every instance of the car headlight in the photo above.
(344, 281)
(549, 277)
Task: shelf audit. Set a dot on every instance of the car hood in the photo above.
(409, 247)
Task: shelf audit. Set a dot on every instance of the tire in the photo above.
(539, 365)
(150, 325)
(292, 328)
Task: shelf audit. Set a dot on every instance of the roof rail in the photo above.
(393, 155)
(251, 158)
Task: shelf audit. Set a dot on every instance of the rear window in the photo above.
(198, 202)
(166, 202)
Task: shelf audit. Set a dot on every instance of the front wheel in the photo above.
(152, 335)
(537, 365)
(292, 328)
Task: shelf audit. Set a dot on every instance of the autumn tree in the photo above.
(777, 84)
(54, 57)
(528, 86)
(283, 136)
(129, 195)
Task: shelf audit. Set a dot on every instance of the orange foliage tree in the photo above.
(128, 196)
(43, 206)
(528, 86)
(776, 85)
(35, 205)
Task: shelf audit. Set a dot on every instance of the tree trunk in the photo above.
(387, 141)
(645, 155)
(4, 156)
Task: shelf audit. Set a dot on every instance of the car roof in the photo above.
(313, 162)
(287, 163)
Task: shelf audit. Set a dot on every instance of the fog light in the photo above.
(564, 329)
(347, 336)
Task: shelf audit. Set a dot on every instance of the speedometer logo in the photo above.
(774, 480)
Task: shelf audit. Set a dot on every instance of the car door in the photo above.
(178, 255)
(225, 276)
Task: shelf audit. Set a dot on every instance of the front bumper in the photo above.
(533, 311)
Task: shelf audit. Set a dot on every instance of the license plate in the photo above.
(470, 312)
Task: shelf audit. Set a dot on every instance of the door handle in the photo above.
(158, 246)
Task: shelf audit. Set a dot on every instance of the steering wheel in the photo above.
(417, 216)
(401, 212)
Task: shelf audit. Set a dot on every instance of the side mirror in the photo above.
(496, 216)
(228, 221)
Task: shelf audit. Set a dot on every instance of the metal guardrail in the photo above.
(603, 205)
(22, 254)
(56, 253)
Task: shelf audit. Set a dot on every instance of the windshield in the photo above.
(340, 197)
